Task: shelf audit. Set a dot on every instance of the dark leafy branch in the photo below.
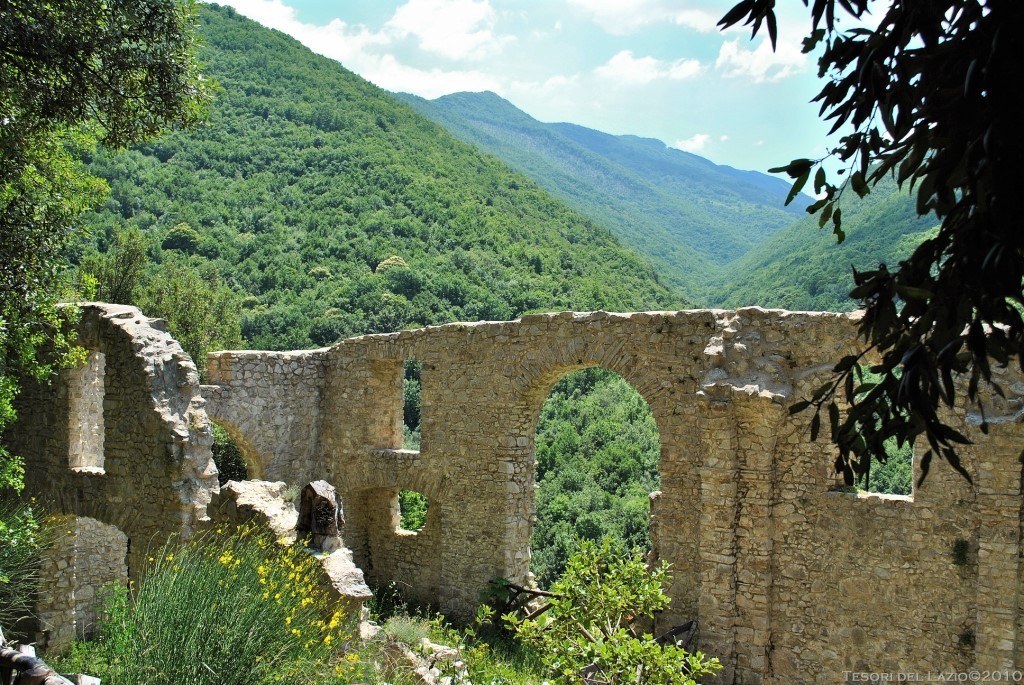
(931, 97)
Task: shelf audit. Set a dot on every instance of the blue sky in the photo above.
(654, 68)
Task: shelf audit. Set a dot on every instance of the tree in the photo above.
(933, 97)
(71, 74)
(202, 313)
(116, 274)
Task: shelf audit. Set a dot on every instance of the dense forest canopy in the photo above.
(691, 217)
(330, 209)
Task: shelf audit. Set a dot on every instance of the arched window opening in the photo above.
(597, 449)
(227, 456)
(411, 406)
(412, 508)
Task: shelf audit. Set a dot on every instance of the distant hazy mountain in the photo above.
(689, 215)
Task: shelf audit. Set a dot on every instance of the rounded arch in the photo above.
(671, 391)
(597, 451)
(251, 458)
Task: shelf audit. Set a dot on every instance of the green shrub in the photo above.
(238, 609)
(181, 237)
(590, 622)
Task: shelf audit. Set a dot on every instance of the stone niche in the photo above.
(76, 572)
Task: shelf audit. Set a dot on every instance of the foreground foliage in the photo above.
(221, 609)
(72, 74)
(590, 625)
(22, 537)
(932, 96)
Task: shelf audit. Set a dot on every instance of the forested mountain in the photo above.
(689, 215)
(802, 267)
(314, 206)
(332, 209)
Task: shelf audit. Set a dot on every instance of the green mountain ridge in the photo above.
(335, 210)
(718, 233)
(689, 215)
(802, 267)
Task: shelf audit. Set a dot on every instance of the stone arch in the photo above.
(255, 462)
(673, 508)
(602, 382)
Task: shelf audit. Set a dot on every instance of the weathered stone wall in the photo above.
(270, 404)
(790, 579)
(85, 557)
(155, 474)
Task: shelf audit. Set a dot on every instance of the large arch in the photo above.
(606, 513)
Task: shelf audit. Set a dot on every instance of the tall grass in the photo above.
(227, 610)
(21, 540)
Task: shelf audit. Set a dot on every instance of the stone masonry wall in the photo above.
(156, 474)
(790, 579)
(270, 404)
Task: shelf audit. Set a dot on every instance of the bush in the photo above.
(239, 609)
(590, 623)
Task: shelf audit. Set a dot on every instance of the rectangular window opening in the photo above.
(85, 414)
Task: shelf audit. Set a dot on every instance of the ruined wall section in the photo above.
(157, 474)
(76, 568)
(270, 403)
(789, 578)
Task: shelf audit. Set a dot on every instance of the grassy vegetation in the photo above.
(236, 609)
(22, 537)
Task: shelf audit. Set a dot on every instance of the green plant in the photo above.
(589, 626)
(406, 629)
(226, 609)
(21, 539)
(413, 508)
(961, 548)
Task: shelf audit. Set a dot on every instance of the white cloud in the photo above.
(336, 39)
(695, 143)
(392, 75)
(723, 138)
(626, 68)
(698, 19)
(368, 54)
(456, 29)
(621, 17)
(762, 65)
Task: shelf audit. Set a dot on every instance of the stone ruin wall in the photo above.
(789, 579)
(122, 442)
